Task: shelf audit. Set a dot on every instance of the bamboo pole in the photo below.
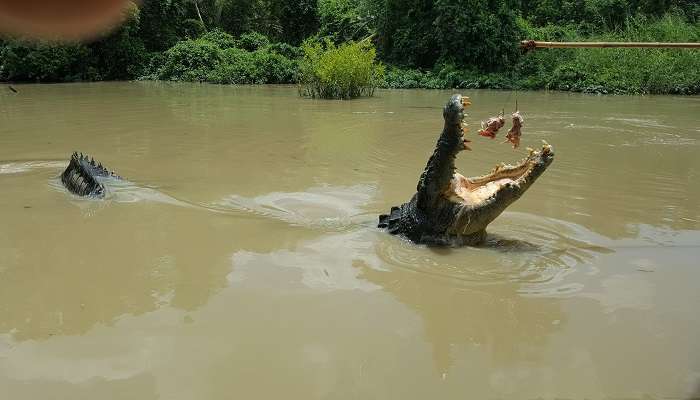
(533, 44)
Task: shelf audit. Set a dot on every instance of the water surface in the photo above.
(240, 258)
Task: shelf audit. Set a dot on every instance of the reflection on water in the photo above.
(489, 318)
(241, 258)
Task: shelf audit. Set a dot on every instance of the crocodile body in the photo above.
(82, 176)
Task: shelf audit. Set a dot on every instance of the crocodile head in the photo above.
(449, 208)
(478, 200)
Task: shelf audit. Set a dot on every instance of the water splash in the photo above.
(18, 167)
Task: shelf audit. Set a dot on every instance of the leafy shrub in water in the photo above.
(339, 72)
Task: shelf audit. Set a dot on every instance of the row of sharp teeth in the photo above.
(465, 103)
(546, 148)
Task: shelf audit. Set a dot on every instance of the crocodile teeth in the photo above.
(546, 147)
(464, 143)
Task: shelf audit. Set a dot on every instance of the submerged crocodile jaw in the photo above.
(450, 209)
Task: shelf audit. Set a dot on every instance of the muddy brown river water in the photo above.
(240, 257)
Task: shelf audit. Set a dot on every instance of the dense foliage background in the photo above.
(431, 44)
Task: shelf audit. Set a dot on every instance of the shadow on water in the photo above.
(493, 242)
(456, 318)
(456, 315)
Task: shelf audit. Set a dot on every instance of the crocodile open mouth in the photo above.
(476, 191)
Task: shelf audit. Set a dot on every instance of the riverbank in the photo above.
(603, 71)
(253, 58)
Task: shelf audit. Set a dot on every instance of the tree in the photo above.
(299, 20)
(162, 23)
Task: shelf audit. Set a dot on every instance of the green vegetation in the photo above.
(620, 70)
(217, 57)
(616, 71)
(424, 44)
(339, 72)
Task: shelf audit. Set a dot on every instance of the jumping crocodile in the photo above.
(82, 176)
(450, 209)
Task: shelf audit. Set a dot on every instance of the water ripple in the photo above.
(330, 207)
(530, 250)
(18, 167)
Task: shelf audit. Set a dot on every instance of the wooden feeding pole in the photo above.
(535, 44)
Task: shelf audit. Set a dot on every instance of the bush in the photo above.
(239, 66)
(252, 41)
(397, 78)
(342, 72)
(190, 60)
(220, 38)
(152, 65)
(236, 68)
(286, 50)
(446, 76)
(275, 68)
(44, 62)
(215, 58)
